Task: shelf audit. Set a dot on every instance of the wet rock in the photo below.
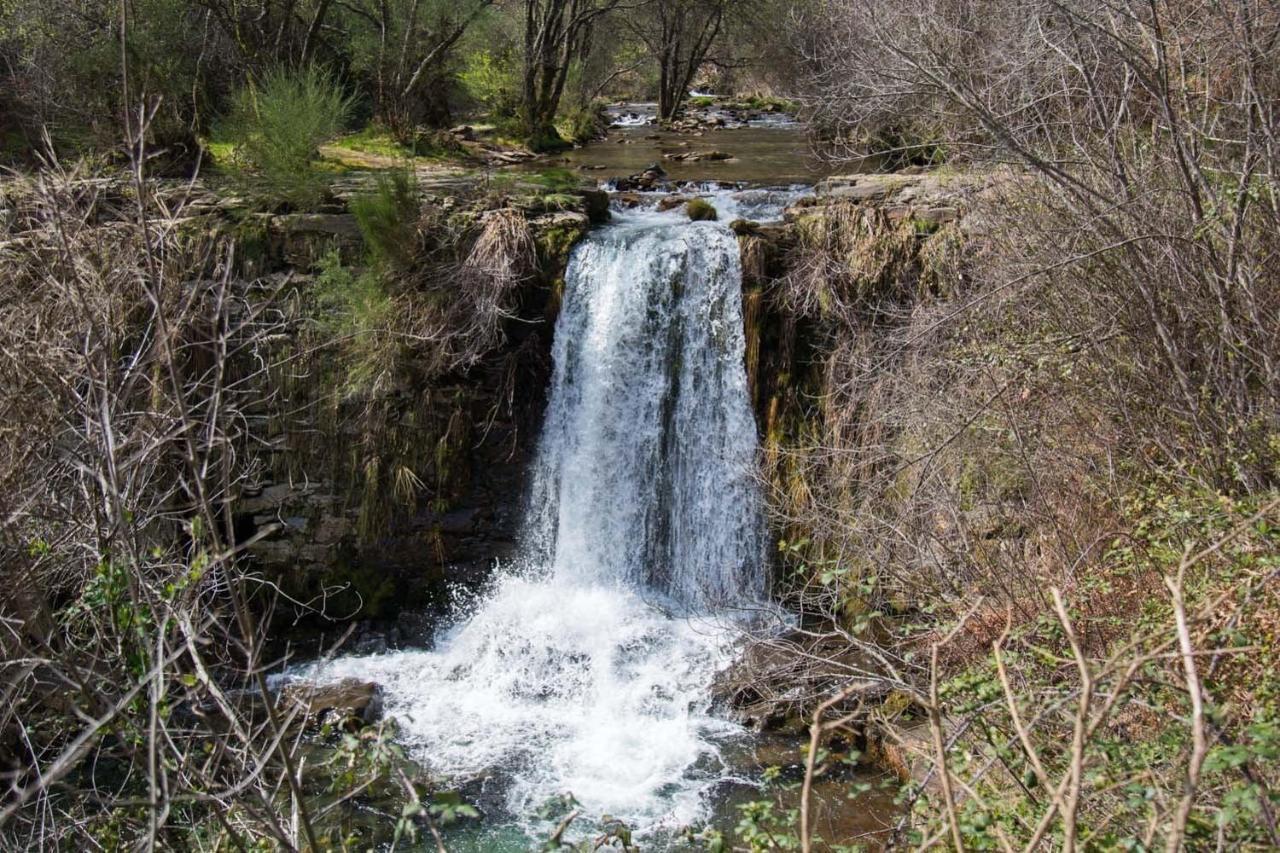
(652, 176)
(350, 703)
(628, 200)
(907, 751)
(671, 202)
(699, 156)
(458, 522)
(596, 204)
(556, 234)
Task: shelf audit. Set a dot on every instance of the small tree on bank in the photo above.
(679, 34)
(556, 33)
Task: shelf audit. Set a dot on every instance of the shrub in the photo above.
(700, 210)
(583, 123)
(388, 217)
(277, 125)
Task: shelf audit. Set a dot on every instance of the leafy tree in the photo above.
(402, 50)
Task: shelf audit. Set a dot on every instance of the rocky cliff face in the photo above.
(371, 502)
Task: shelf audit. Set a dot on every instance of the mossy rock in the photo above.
(556, 234)
(700, 210)
(744, 227)
(595, 204)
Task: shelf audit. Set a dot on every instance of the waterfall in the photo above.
(644, 473)
(587, 670)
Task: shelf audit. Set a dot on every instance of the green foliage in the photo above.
(700, 210)
(388, 219)
(1141, 753)
(552, 179)
(583, 123)
(61, 66)
(277, 124)
(492, 81)
(375, 140)
(354, 306)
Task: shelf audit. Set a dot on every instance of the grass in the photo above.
(700, 210)
(553, 180)
(374, 140)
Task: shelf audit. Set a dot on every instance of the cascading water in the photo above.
(644, 472)
(588, 670)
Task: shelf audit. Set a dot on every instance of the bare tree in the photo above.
(556, 34)
(679, 34)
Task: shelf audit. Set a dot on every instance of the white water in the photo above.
(588, 671)
(644, 477)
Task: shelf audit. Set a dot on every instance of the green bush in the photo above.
(699, 209)
(492, 81)
(583, 123)
(388, 219)
(277, 125)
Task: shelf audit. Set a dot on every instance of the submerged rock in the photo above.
(671, 202)
(699, 156)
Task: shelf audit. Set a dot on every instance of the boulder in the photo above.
(652, 176)
(907, 751)
(698, 156)
(349, 703)
(596, 205)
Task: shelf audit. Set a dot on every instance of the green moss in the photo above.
(374, 140)
(555, 242)
(700, 210)
(763, 103)
(547, 142)
(582, 124)
(438, 146)
(220, 152)
(560, 201)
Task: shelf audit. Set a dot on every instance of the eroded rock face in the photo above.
(319, 510)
